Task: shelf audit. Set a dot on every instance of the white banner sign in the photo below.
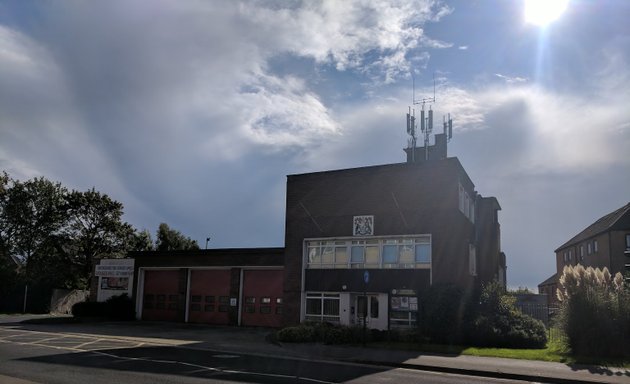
(115, 268)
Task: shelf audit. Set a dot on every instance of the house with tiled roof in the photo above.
(604, 243)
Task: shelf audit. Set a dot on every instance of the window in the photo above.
(589, 248)
(397, 252)
(374, 307)
(250, 300)
(265, 309)
(581, 252)
(209, 308)
(472, 260)
(210, 299)
(322, 307)
(570, 255)
(407, 255)
(423, 253)
(328, 256)
(390, 254)
(466, 204)
(279, 300)
(341, 257)
(566, 257)
(265, 300)
(372, 257)
(196, 298)
(314, 257)
(628, 241)
(595, 246)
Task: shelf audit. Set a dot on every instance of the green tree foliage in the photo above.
(30, 212)
(56, 235)
(141, 241)
(170, 239)
(498, 323)
(595, 313)
(443, 313)
(95, 229)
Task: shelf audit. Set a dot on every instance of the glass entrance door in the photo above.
(367, 307)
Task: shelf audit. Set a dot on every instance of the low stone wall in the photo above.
(62, 300)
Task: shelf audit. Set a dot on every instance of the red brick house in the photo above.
(604, 243)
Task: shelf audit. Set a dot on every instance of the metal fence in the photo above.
(535, 310)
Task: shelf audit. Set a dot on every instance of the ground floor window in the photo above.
(403, 311)
(322, 307)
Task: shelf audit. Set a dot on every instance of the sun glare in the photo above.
(543, 12)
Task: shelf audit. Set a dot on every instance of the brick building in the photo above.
(361, 243)
(604, 243)
(367, 241)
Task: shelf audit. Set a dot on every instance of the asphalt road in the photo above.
(46, 357)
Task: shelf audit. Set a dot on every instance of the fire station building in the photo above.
(359, 243)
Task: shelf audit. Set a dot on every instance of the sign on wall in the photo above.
(114, 277)
(363, 225)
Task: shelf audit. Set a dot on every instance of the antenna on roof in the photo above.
(426, 121)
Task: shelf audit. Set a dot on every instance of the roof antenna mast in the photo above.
(426, 121)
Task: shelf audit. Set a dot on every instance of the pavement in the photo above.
(257, 341)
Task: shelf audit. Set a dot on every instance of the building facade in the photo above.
(361, 245)
(604, 243)
(364, 243)
(217, 286)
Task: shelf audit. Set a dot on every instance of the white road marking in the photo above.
(198, 368)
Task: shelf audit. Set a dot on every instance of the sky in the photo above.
(193, 112)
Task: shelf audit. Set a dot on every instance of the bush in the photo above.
(116, 308)
(498, 323)
(443, 313)
(323, 333)
(595, 312)
(513, 331)
(297, 334)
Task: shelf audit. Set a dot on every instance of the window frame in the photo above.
(323, 298)
(369, 252)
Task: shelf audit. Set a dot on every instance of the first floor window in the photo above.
(595, 246)
(472, 260)
(423, 253)
(322, 307)
(628, 241)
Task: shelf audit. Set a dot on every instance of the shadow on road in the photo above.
(209, 364)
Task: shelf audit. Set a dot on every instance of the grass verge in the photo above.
(555, 351)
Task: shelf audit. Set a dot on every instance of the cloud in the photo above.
(511, 79)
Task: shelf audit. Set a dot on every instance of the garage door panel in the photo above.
(161, 301)
(262, 298)
(209, 297)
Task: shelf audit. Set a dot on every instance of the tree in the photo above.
(170, 239)
(141, 241)
(94, 230)
(30, 212)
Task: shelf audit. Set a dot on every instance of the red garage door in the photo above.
(209, 296)
(262, 298)
(161, 295)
